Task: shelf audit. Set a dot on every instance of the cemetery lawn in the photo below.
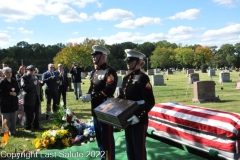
(176, 89)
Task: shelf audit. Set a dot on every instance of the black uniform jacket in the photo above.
(136, 86)
(103, 84)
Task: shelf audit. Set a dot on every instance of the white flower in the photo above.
(53, 133)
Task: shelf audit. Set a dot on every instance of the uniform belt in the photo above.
(140, 102)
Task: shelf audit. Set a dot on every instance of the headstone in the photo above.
(83, 75)
(119, 82)
(238, 85)
(156, 70)
(211, 72)
(189, 71)
(224, 77)
(150, 72)
(122, 72)
(204, 91)
(158, 80)
(193, 77)
(169, 71)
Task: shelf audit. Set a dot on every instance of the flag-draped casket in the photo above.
(203, 127)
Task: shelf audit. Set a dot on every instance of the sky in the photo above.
(184, 22)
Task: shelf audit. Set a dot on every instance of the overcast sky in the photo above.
(205, 22)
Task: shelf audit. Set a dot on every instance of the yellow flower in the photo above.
(66, 141)
(38, 145)
(36, 141)
(52, 140)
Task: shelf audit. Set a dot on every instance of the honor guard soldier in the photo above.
(136, 87)
(103, 84)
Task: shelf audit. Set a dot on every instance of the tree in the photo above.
(163, 57)
(202, 55)
(74, 53)
(226, 50)
(184, 56)
(166, 44)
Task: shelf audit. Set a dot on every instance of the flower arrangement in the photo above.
(59, 138)
(72, 130)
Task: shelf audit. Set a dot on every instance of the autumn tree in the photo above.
(74, 53)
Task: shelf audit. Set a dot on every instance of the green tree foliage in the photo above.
(184, 56)
(202, 56)
(166, 44)
(225, 56)
(163, 57)
(78, 53)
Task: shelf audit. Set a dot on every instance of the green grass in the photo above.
(175, 90)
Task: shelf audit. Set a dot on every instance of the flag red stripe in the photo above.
(206, 142)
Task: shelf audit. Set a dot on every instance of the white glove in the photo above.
(134, 120)
(86, 98)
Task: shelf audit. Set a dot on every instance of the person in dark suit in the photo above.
(75, 72)
(51, 81)
(32, 98)
(103, 85)
(63, 85)
(136, 87)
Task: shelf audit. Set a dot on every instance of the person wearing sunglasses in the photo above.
(136, 87)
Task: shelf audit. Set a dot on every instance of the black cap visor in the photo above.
(96, 52)
(130, 59)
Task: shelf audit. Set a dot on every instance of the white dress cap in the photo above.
(99, 49)
(133, 53)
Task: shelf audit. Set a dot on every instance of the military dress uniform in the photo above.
(136, 87)
(102, 86)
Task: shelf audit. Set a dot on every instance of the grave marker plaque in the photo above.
(169, 71)
(204, 91)
(211, 72)
(122, 72)
(224, 77)
(150, 72)
(189, 71)
(119, 82)
(158, 80)
(193, 77)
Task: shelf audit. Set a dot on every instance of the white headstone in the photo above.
(158, 80)
(224, 77)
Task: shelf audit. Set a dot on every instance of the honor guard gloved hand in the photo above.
(86, 98)
(134, 120)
